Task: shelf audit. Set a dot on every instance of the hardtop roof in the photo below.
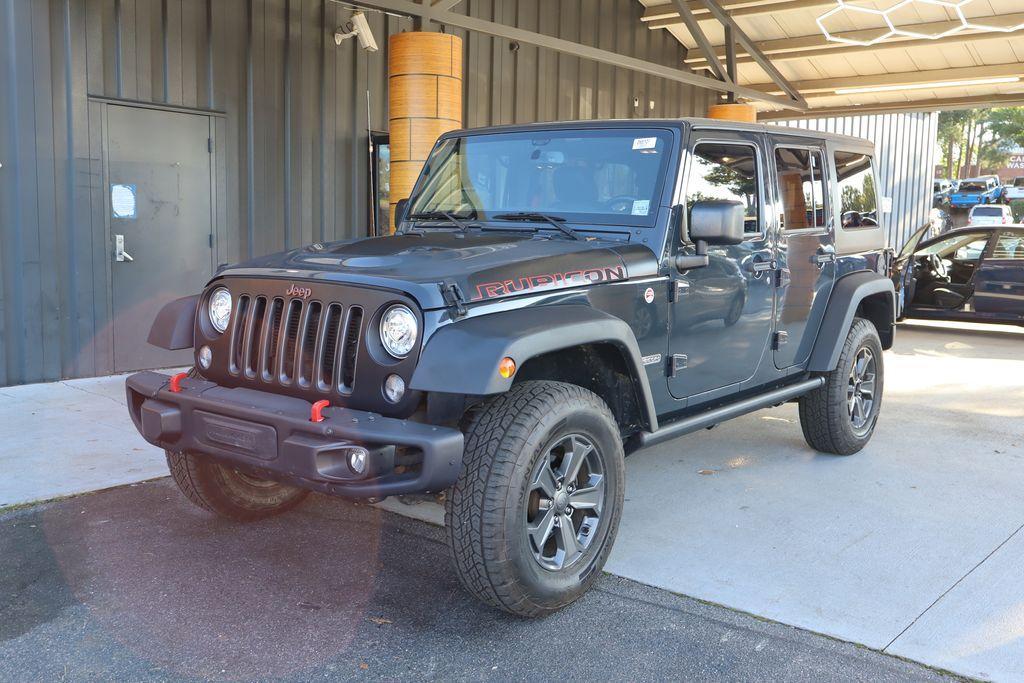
(680, 123)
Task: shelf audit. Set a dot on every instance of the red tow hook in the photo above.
(176, 382)
(316, 413)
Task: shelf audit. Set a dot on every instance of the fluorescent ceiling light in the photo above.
(928, 86)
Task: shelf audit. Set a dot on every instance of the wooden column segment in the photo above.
(424, 101)
(744, 113)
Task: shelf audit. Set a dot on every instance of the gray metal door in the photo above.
(159, 206)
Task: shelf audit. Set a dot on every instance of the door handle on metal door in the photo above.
(119, 253)
(823, 257)
(758, 266)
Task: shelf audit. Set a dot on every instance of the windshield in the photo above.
(1018, 182)
(612, 177)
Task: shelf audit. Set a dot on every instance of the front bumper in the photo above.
(272, 435)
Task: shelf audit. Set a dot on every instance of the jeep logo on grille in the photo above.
(300, 292)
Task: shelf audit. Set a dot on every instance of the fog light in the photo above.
(394, 388)
(358, 459)
(205, 357)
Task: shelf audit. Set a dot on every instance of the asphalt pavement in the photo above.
(133, 583)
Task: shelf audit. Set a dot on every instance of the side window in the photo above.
(726, 171)
(857, 190)
(1010, 245)
(971, 251)
(802, 188)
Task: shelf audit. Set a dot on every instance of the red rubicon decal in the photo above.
(489, 290)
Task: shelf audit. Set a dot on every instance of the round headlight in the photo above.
(398, 330)
(220, 309)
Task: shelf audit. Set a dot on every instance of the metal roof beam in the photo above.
(734, 32)
(665, 15)
(945, 104)
(816, 45)
(684, 11)
(906, 78)
(430, 13)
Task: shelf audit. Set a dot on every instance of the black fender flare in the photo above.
(847, 294)
(174, 326)
(462, 357)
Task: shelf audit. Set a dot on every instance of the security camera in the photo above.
(360, 28)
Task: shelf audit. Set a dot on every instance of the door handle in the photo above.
(119, 253)
(823, 257)
(758, 265)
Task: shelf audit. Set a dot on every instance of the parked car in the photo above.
(973, 191)
(941, 190)
(990, 214)
(974, 273)
(555, 296)
(1014, 190)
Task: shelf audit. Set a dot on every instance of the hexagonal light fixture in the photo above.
(892, 29)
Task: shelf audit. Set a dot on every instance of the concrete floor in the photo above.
(136, 584)
(912, 546)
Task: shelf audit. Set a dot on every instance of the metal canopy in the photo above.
(437, 11)
(924, 67)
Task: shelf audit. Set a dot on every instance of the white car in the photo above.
(990, 214)
(1014, 189)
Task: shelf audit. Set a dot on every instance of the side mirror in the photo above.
(400, 207)
(717, 222)
(712, 222)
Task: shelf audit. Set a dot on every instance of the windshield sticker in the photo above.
(570, 278)
(644, 143)
(641, 207)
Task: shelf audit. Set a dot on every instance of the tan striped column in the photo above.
(424, 100)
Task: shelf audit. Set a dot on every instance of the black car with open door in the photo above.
(970, 274)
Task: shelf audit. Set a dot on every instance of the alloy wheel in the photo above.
(860, 392)
(566, 500)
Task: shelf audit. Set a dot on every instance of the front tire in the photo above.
(228, 492)
(840, 416)
(532, 518)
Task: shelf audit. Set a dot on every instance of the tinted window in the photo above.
(857, 190)
(963, 246)
(972, 187)
(1010, 245)
(802, 188)
(1018, 182)
(726, 172)
(987, 211)
(596, 176)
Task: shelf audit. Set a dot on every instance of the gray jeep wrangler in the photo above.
(555, 297)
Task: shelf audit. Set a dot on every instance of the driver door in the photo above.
(722, 313)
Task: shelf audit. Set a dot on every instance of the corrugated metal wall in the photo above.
(905, 145)
(297, 110)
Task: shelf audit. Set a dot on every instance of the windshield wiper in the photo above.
(556, 221)
(442, 216)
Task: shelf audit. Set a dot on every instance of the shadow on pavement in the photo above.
(134, 583)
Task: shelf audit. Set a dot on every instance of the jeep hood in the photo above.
(485, 265)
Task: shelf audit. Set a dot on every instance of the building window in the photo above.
(729, 172)
(802, 188)
(856, 190)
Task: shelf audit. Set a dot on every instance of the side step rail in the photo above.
(712, 417)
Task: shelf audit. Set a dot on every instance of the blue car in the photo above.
(974, 191)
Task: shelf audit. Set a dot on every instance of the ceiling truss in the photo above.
(439, 11)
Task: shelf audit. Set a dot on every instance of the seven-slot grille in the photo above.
(292, 342)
